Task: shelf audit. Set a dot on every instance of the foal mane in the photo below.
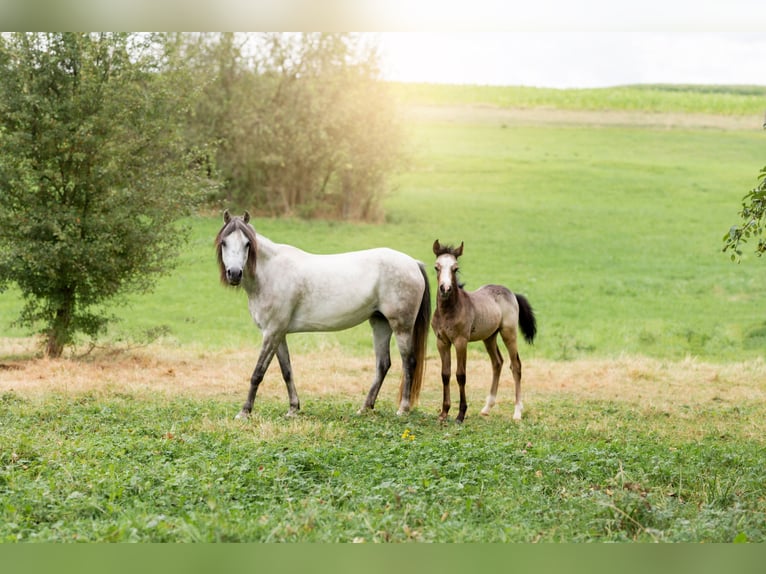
(232, 224)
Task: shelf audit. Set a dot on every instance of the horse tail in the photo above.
(527, 319)
(419, 341)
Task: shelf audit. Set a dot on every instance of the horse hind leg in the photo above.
(405, 342)
(511, 342)
(496, 359)
(381, 335)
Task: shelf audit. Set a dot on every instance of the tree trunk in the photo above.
(59, 333)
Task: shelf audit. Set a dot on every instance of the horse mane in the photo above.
(236, 224)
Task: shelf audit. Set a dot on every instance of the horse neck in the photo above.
(265, 250)
(452, 303)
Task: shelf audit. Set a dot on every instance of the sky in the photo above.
(575, 59)
(544, 43)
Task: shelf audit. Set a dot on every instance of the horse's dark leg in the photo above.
(406, 346)
(445, 352)
(269, 348)
(381, 336)
(461, 350)
(497, 365)
(511, 342)
(283, 356)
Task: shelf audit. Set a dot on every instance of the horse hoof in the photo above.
(242, 416)
(402, 412)
(484, 413)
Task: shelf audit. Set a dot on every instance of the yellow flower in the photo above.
(407, 435)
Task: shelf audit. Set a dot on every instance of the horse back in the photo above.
(494, 307)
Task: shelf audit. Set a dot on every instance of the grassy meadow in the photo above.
(645, 392)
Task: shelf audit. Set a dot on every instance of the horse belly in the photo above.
(331, 313)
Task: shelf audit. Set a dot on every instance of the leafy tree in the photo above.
(753, 224)
(94, 173)
(305, 125)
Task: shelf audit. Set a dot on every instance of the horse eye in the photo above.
(223, 243)
(455, 269)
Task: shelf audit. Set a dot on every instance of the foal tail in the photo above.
(527, 319)
(419, 341)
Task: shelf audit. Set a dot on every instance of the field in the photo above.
(645, 392)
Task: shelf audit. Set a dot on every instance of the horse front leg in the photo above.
(283, 356)
(445, 352)
(269, 348)
(461, 351)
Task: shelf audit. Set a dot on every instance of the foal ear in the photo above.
(226, 216)
(246, 217)
(437, 248)
(459, 250)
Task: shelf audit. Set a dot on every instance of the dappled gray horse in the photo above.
(462, 316)
(291, 291)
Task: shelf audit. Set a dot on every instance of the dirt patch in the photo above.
(162, 371)
(596, 118)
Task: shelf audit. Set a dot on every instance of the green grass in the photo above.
(121, 468)
(723, 100)
(613, 233)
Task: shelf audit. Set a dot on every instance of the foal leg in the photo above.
(511, 342)
(381, 336)
(497, 364)
(270, 345)
(445, 352)
(283, 355)
(461, 350)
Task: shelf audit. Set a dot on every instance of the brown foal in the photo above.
(464, 316)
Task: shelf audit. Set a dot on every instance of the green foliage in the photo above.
(305, 127)
(94, 173)
(122, 468)
(753, 215)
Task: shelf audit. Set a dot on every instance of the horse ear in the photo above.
(226, 216)
(459, 250)
(246, 217)
(437, 247)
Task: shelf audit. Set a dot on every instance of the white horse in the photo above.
(291, 291)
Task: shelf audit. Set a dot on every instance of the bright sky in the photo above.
(575, 58)
(571, 43)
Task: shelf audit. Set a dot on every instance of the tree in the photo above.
(305, 125)
(94, 174)
(753, 224)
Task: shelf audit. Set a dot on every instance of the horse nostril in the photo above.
(234, 275)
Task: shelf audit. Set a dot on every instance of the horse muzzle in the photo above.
(234, 276)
